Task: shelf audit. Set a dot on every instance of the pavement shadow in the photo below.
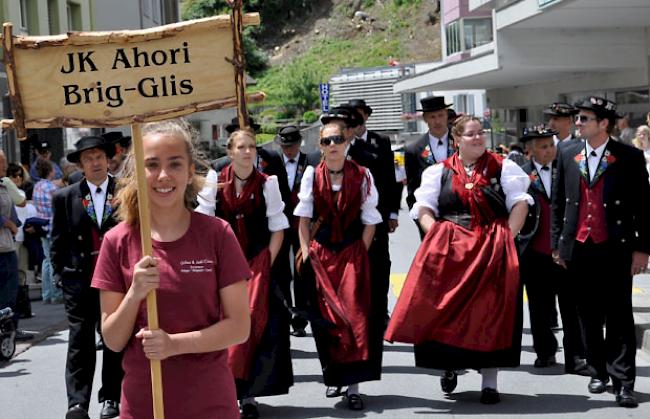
(642, 371)
(12, 361)
(398, 348)
(515, 404)
(17, 373)
(52, 340)
(557, 369)
(408, 369)
(641, 309)
(300, 354)
(308, 378)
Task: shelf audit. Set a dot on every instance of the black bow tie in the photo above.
(593, 153)
(98, 190)
(546, 168)
(291, 161)
(440, 142)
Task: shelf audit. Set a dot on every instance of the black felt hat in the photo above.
(234, 125)
(561, 109)
(288, 135)
(600, 106)
(349, 115)
(88, 143)
(536, 132)
(432, 104)
(360, 104)
(117, 137)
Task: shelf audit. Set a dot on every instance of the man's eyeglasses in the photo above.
(584, 118)
(336, 139)
(474, 134)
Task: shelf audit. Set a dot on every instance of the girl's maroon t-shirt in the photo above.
(192, 271)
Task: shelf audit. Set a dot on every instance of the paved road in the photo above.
(32, 385)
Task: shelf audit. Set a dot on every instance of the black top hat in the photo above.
(345, 113)
(561, 109)
(602, 107)
(117, 137)
(360, 104)
(42, 145)
(234, 125)
(288, 135)
(432, 104)
(540, 131)
(90, 142)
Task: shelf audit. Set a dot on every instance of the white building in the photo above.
(542, 51)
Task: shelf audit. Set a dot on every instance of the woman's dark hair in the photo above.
(43, 168)
(14, 170)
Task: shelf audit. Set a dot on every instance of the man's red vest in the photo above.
(591, 214)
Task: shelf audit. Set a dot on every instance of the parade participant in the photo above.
(543, 278)
(340, 198)
(560, 118)
(372, 150)
(295, 163)
(122, 145)
(251, 202)
(198, 271)
(601, 234)
(82, 214)
(461, 302)
(433, 147)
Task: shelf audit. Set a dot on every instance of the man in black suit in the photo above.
(83, 213)
(293, 162)
(433, 147)
(560, 117)
(543, 278)
(601, 233)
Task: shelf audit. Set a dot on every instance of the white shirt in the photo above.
(291, 168)
(305, 208)
(557, 140)
(276, 220)
(98, 195)
(514, 181)
(439, 146)
(545, 176)
(593, 161)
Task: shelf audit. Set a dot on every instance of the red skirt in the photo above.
(461, 290)
(343, 288)
(240, 357)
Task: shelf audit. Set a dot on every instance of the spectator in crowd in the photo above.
(43, 153)
(642, 142)
(516, 154)
(13, 182)
(42, 197)
(625, 132)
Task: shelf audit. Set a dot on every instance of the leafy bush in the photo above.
(310, 117)
(271, 128)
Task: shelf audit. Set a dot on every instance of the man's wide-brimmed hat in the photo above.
(561, 109)
(349, 115)
(234, 125)
(117, 138)
(360, 104)
(432, 104)
(540, 131)
(602, 107)
(288, 135)
(88, 143)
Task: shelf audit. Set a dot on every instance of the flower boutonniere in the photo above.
(427, 154)
(533, 176)
(609, 157)
(581, 160)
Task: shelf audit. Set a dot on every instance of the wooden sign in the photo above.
(105, 79)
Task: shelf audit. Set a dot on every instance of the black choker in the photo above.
(243, 179)
(336, 172)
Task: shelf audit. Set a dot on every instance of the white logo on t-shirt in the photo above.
(197, 266)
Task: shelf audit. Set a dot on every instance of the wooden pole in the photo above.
(12, 82)
(147, 250)
(239, 62)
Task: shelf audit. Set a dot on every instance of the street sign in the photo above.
(324, 97)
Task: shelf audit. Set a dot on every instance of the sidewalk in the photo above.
(641, 308)
(47, 320)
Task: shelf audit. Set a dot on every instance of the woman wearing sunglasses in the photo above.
(461, 302)
(338, 213)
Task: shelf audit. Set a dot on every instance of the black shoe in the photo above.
(77, 412)
(597, 386)
(625, 398)
(448, 381)
(249, 411)
(579, 367)
(355, 402)
(22, 336)
(490, 396)
(331, 392)
(298, 332)
(110, 409)
(545, 362)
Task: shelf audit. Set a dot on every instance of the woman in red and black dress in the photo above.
(461, 302)
(251, 203)
(340, 198)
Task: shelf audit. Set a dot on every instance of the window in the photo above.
(74, 16)
(146, 7)
(23, 13)
(477, 32)
(53, 17)
(155, 11)
(453, 38)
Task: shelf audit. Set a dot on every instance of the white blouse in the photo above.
(305, 208)
(274, 205)
(514, 181)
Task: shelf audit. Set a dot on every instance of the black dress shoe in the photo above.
(448, 381)
(355, 402)
(331, 392)
(545, 362)
(249, 411)
(597, 386)
(110, 409)
(77, 412)
(578, 367)
(625, 398)
(490, 396)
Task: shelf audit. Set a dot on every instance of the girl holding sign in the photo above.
(199, 272)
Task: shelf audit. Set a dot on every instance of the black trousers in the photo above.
(379, 257)
(544, 279)
(602, 274)
(288, 275)
(83, 311)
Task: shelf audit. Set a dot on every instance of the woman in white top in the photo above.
(642, 142)
(461, 302)
(251, 202)
(339, 199)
